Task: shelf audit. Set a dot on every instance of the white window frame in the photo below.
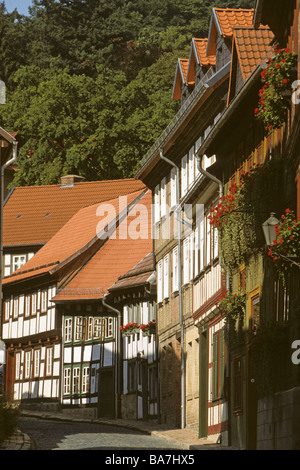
(173, 182)
(16, 307)
(7, 309)
(68, 330)
(34, 303)
(196, 250)
(27, 364)
(18, 366)
(27, 305)
(201, 244)
(160, 281)
(175, 268)
(191, 256)
(197, 146)
(166, 277)
(163, 197)
(37, 362)
(76, 380)
(67, 380)
(208, 242)
(44, 301)
(85, 379)
(110, 327)
(79, 327)
(184, 175)
(157, 204)
(186, 260)
(49, 361)
(99, 327)
(191, 166)
(18, 261)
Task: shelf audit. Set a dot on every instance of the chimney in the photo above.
(70, 180)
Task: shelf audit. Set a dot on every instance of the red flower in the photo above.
(292, 238)
(284, 81)
(287, 211)
(287, 50)
(270, 253)
(277, 66)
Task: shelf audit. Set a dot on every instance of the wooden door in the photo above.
(10, 373)
(106, 397)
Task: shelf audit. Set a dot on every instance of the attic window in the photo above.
(47, 215)
(19, 216)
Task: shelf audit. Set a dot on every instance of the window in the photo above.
(27, 305)
(18, 366)
(191, 166)
(89, 332)
(191, 256)
(152, 382)
(67, 381)
(151, 311)
(33, 306)
(196, 251)
(242, 279)
(166, 276)
(37, 358)
(254, 319)
(175, 269)
(237, 385)
(18, 261)
(201, 245)
(68, 330)
(163, 195)
(159, 281)
(110, 327)
(281, 301)
(76, 380)
(16, 307)
(186, 260)
(27, 364)
(184, 176)
(174, 198)
(99, 327)
(208, 241)
(7, 309)
(79, 323)
(157, 204)
(218, 365)
(49, 361)
(44, 301)
(131, 377)
(85, 379)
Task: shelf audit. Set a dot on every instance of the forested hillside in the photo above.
(89, 82)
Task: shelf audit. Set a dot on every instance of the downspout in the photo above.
(119, 352)
(13, 159)
(178, 210)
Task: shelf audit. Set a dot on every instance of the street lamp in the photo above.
(270, 236)
(269, 229)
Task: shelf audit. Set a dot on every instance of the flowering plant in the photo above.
(234, 307)
(276, 79)
(287, 243)
(148, 326)
(129, 327)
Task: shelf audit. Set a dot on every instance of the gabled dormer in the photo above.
(222, 24)
(250, 47)
(182, 87)
(199, 62)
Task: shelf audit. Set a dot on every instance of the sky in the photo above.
(20, 5)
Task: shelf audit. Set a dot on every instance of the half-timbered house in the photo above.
(135, 295)
(189, 272)
(35, 330)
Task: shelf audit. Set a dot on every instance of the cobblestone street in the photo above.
(51, 435)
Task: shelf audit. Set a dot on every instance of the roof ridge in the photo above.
(76, 183)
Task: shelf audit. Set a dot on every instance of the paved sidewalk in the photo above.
(183, 438)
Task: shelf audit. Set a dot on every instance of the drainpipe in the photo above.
(178, 210)
(13, 159)
(119, 352)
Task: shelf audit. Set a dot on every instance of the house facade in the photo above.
(190, 277)
(61, 353)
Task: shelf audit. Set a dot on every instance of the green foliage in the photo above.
(8, 419)
(89, 82)
(233, 305)
(277, 80)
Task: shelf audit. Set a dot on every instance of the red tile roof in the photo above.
(229, 18)
(115, 257)
(33, 214)
(136, 276)
(224, 20)
(76, 235)
(200, 46)
(252, 46)
(180, 77)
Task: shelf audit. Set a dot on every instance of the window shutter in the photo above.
(201, 244)
(159, 282)
(222, 361)
(186, 264)
(163, 191)
(157, 204)
(175, 269)
(215, 367)
(166, 276)
(196, 251)
(174, 201)
(184, 176)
